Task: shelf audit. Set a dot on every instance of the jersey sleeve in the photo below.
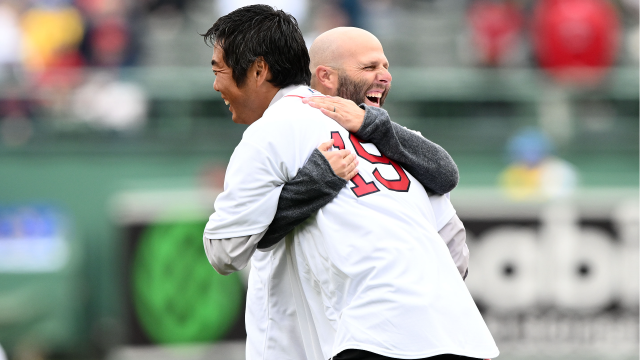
(253, 182)
(231, 254)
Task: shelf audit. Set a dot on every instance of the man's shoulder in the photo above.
(301, 92)
(289, 112)
(291, 107)
(288, 116)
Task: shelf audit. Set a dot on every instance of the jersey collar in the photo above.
(282, 92)
(300, 91)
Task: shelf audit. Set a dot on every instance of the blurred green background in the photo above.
(118, 128)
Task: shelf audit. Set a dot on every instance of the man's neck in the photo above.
(260, 104)
(323, 89)
(282, 92)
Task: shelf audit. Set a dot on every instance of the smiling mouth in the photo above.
(226, 102)
(374, 98)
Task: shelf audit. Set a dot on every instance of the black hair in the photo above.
(256, 31)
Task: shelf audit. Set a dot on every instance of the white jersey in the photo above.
(371, 265)
(272, 325)
(271, 320)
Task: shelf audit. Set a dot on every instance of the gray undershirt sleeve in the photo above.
(428, 162)
(231, 254)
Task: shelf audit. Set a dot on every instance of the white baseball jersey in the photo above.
(370, 270)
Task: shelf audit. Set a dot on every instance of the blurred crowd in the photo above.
(49, 34)
(47, 45)
(61, 61)
(78, 74)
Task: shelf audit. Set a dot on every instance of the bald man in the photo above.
(359, 73)
(318, 271)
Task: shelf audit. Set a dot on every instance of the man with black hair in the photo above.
(321, 265)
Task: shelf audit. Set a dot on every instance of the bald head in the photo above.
(333, 47)
(350, 62)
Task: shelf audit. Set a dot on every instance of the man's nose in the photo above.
(215, 84)
(384, 76)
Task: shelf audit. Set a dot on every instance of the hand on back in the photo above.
(343, 162)
(345, 112)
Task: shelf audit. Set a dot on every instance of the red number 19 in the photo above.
(362, 187)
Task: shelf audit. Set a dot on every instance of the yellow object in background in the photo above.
(552, 178)
(49, 31)
(520, 181)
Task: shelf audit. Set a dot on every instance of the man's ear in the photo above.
(260, 70)
(327, 77)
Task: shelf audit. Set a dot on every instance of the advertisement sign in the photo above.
(555, 277)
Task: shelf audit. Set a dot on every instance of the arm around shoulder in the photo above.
(428, 162)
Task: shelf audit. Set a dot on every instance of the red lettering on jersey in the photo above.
(361, 187)
(337, 140)
(402, 184)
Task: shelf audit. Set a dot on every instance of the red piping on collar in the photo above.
(302, 97)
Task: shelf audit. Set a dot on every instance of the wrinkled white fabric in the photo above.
(360, 255)
(233, 254)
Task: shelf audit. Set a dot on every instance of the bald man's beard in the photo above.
(356, 90)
